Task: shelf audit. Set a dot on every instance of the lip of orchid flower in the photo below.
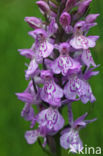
(51, 92)
(71, 140)
(31, 136)
(51, 118)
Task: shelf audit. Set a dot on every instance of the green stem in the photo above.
(44, 149)
(54, 145)
(58, 147)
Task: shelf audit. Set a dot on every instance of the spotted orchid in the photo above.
(64, 62)
(61, 64)
(51, 92)
(78, 87)
(80, 41)
(70, 138)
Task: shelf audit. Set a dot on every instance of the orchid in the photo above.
(61, 64)
(70, 136)
(64, 62)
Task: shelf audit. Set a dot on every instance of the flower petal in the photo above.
(31, 69)
(31, 136)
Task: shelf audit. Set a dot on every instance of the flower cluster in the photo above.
(60, 66)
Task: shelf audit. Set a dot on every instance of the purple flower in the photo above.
(51, 120)
(71, 140)
(51, 92)
(80, 41)
(70, 136)
(43, 48)
(78, 87)
(31, 137)
(29, 97)
(33, 66)
(64, 62)
(60, 67)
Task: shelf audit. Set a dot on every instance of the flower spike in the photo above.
(59, 69)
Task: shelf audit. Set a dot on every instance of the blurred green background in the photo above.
(13, 36)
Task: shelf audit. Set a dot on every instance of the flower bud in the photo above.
(65, 19)
(34, 22)
(69, 4)
(44, 7)
(83, 6)
(53, 4)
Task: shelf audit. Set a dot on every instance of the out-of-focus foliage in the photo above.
(13, 36)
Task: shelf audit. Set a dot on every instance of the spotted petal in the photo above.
(71, 140)
(45, 49)
(31, 136)
(87, 58)
(52, 93)
(31, 69)
(82, 42)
